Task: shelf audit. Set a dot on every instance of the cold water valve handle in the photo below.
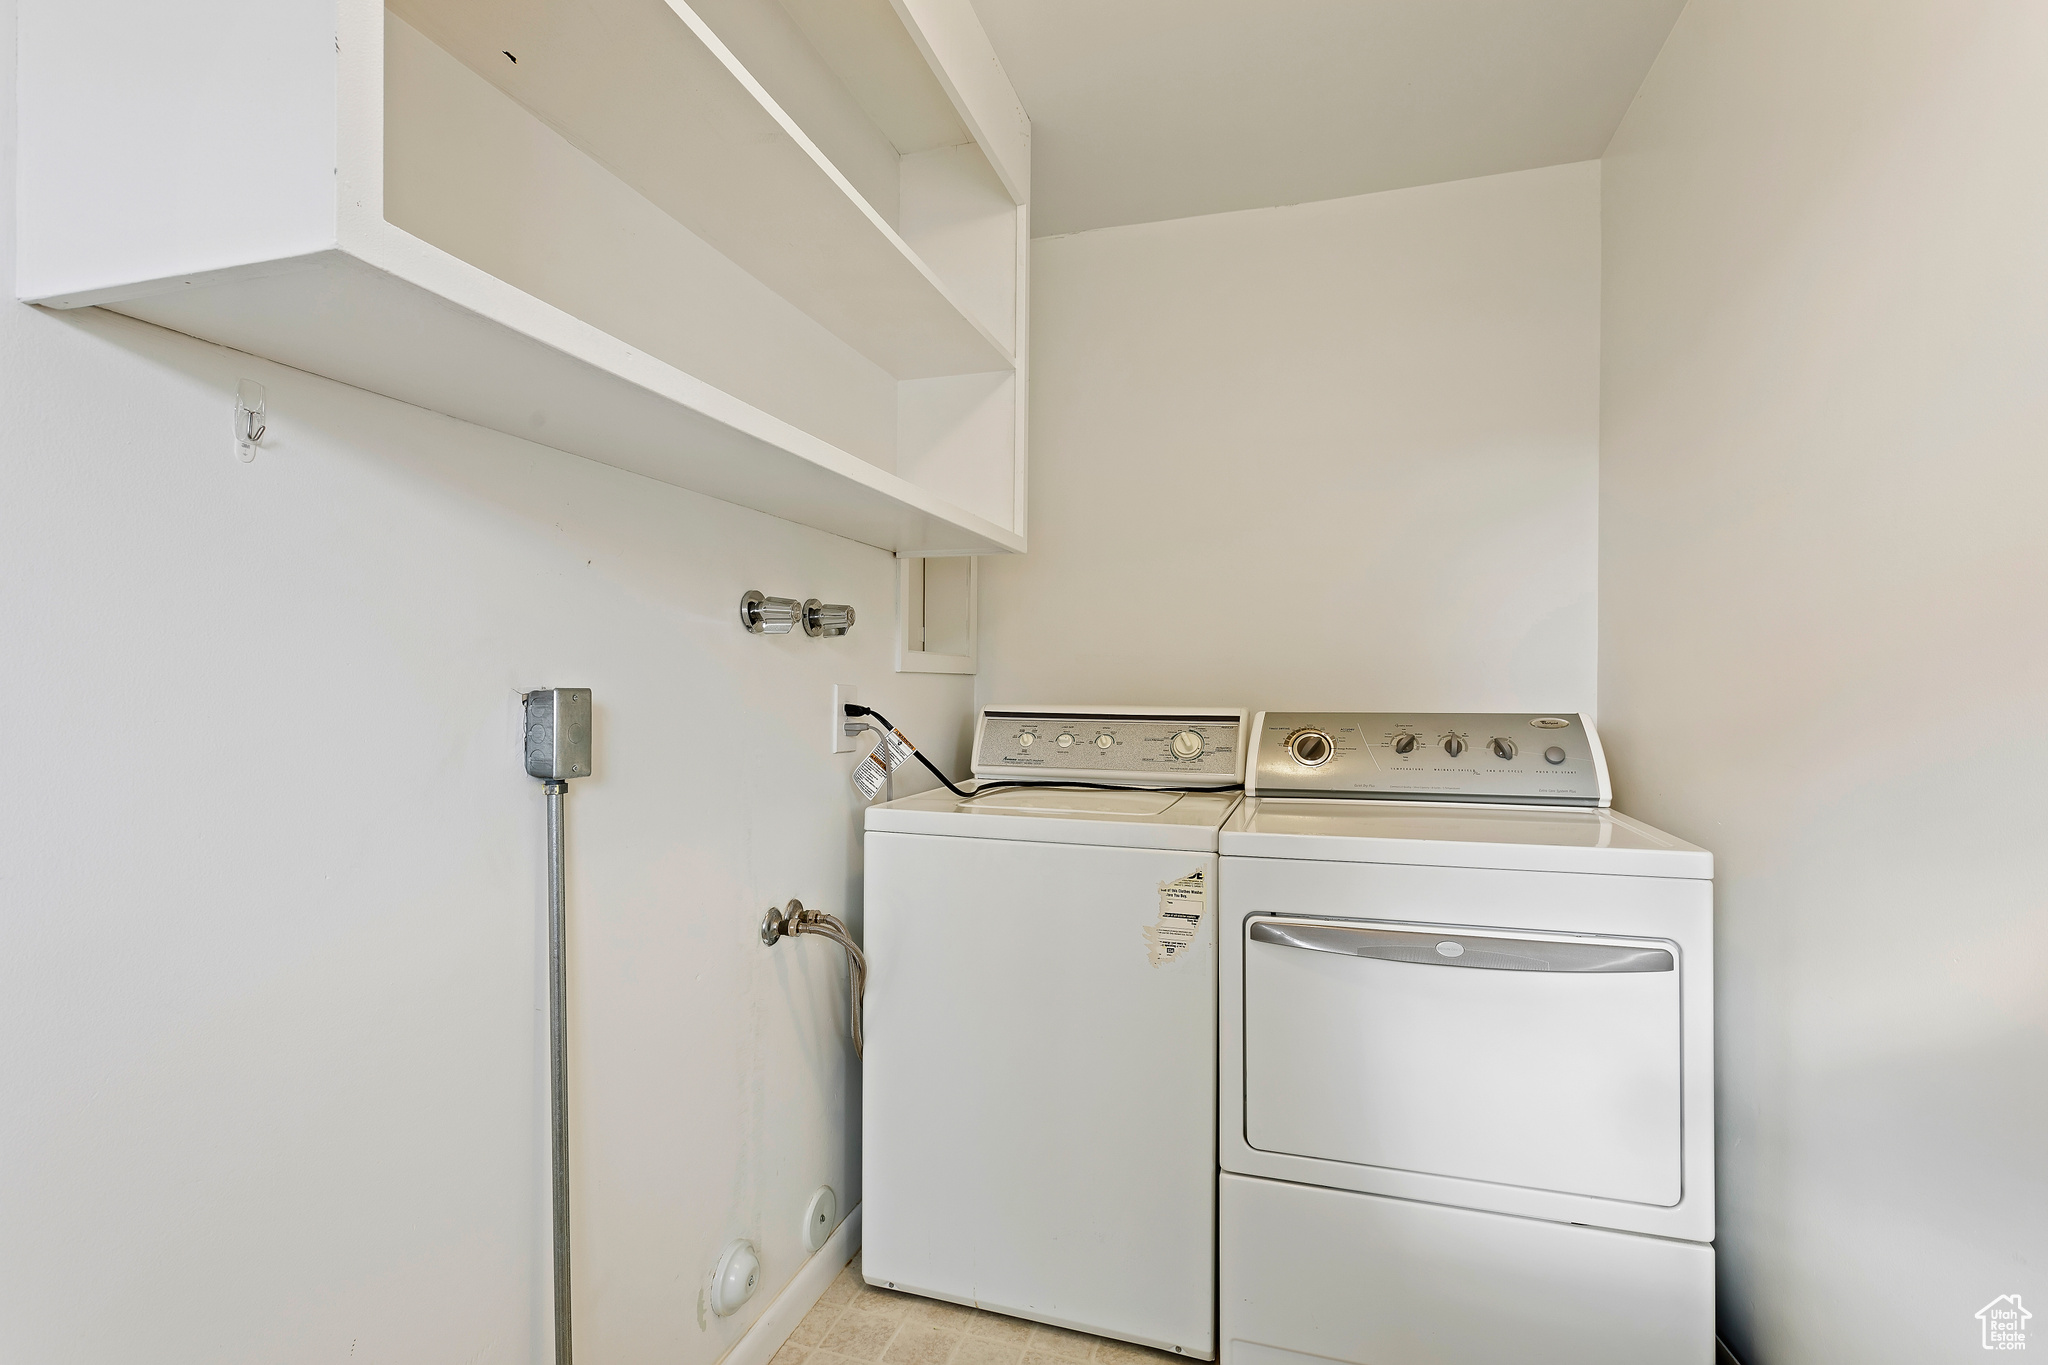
(826, 618)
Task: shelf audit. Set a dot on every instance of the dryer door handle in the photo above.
(1487, 952)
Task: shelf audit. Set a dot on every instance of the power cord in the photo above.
(983, 788)
(855, 710)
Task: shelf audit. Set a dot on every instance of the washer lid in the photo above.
(1064, 815)
(1521, 839)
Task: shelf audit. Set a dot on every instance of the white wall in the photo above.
(1822, 655)
(1341, 454)
(271, 876)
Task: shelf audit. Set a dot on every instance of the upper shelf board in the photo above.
(418, 325)
(646, 88)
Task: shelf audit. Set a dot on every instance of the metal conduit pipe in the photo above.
(557, 749)
(558, 1061)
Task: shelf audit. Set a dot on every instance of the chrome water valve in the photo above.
(827, 618)
(764, 615)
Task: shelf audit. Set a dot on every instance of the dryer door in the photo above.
(1543, 1061)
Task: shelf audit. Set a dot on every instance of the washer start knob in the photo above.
(1187, 744)
(1454, 746)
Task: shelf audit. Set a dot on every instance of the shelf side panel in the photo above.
(958, 50)
(1020, 521)
(959, 219)
(160, 139)
(956, 439)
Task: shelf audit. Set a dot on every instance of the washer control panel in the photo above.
(1139, 746)
(1500, 758)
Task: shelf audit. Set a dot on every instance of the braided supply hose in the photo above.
(792, 920)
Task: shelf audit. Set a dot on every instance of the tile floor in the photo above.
(855, 1323)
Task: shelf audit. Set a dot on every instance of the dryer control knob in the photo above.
(1454, 746)
(1553, 755)
(1502, 748)
(1310, 748)
(1187, 744)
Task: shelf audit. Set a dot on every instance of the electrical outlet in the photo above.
(842, 693)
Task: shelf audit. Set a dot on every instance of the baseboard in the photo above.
(761, 1341)
(1722, 1355)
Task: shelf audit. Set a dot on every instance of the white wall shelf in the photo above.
(591, 226)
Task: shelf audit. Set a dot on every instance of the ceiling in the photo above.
(1149, 109)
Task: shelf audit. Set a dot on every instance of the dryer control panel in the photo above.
(1135, 745)
(1500, 758)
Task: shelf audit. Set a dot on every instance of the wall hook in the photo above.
(250, 423)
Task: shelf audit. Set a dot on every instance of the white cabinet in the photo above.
(774, 252)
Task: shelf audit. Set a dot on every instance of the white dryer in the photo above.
(1467, 1053)
(1038, 1102)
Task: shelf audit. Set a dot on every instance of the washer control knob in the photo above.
(1310, 748)
(1553, 755)
(1454, 746)
(1404, 744)
(1502, 748)
(1026, 740)
(1065, 741)
(1104, 741)
(1187, 744)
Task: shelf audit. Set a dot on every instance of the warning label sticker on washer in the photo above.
(1181, 905)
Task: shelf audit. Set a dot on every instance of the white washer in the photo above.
(1467, 1053)
(1039, 1095)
